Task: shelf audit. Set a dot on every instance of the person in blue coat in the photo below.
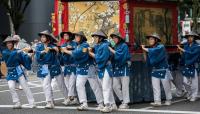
(102, 56)
(156, 58)
(84, 69)
(46, 54)
(121, 69)
(190, 55)
(14, 59)
(69, 67)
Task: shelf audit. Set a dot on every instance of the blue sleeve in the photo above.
(194, 51)
(191, 55)
(25, 60)
(42, 58)
(11, 58)
(103, 54)
(63, 56)
(38, 52)
(79, 55)
(122, 54)
(156, 54)
(54, 56)
(5, 55)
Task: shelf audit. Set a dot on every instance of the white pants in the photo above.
(54, 84)
(80, 86)
(26, 89)
(191, 85)
(178, 81)
(46, 83)
(157, 90)
(61, 84)
(70, 82)
(106, 85)
(121, 88)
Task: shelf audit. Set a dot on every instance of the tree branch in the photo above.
(83, 13)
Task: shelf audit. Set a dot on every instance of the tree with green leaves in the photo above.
(15, 10)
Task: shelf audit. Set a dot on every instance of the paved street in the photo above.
(180, 106)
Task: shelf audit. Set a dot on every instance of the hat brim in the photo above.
(40, 34)
(48, 35)
(114, 35)
(62, 34)
(84, 37)
(159, 40)
(195, 36)
(93, 35)
(10, 41)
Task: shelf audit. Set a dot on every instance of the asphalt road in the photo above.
(180, 106)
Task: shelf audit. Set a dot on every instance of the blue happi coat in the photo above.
(14, 59)
(120, 60)
(48, 62)
(102, 58)
(67, 60)
(190, 58)
(81, 58)
(157, 59)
